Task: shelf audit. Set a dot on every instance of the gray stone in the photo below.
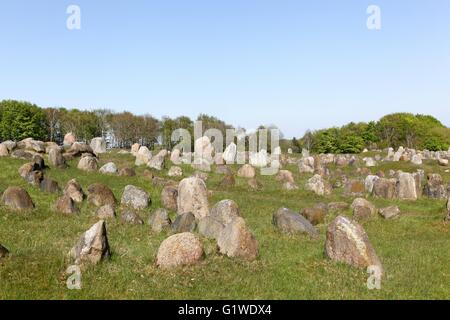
(160, 221)
(390, 212)
(225, 211)
(210, 227)
(131, 217)
(106, 212)
(183, 249)
(184, 223)
(135, 197)
(289, 221)
(193, 197)
(98, 145)
(16, 198)
(109, 168)
(237, 241)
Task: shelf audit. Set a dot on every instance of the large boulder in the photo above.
(348, 242)
(291, 222)
(434, 188)
(225, 211)
(93, 246)
(160, 221)
(23, 154)
(181, 249)
(143, 156)
(184, 223)
(31, 144)
(406, 186)
(246, 171)
(135, 197)
(56, 159)
(237, 241)
(100, 195)
(108, 168)
(193, 197)
(318, 185)
(98, 145)
(74, 191)
(88, 164)
(169, 196)
(16, 198)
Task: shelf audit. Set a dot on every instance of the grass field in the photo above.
(414, 249)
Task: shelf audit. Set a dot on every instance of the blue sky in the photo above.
(297, 64)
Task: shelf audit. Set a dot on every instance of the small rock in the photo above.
(106, 212)
(291, 222)
(49, 186)
(169, 197)
(193, 197)
(227, 181)
(246, 171)
(88, 164)
(135, 197)
(315, 215)
(318, 185)
(131, 217)
(390, 212)
(338, 206)
(254, 184)
(175, 172)
(363, 209)
(127, 172)
(225, 211)
(65, 205)
(109, 168)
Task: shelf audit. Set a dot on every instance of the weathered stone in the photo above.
(106, 212)
(291, 222)
(16, 198)
(74, 191)
(443, 162)
(246, 171)
(79, 148)
(390, 212)
(65, 205)
(160, 221)
(254, 184)
(318, 185)
(385, 188)
(184, 223)
(227, 181)
(34, 178)
(27, 168)
(93, 246)
(354, 188)
(69, 139)
(285, 176)
(406, 187)
(434, 188)
(338, 206)
(175, 172)
(183, 249)
(315, 215)
(143, 156)
(127, 172)
(169, 197)
(175, 156)
(369, 183)
(98, 145)
(88, 164)
(157, 162)
(4, 152)
(237, 241)
(109, 168)
(49, 186)
(225, 211)
(135, 197)
(306, 165)
(348, 242)
(56, 159)
(416, 159)
(223, 169)
(23, 154)
(363, 209)
(370, 162)
(100, 195)
(130, 217)
(193, 197)
(31, 144)
(210, 227)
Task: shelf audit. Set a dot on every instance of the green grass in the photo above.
(414, 249)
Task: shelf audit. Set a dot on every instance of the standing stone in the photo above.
(143, 156)
(210, 228)
(229, 155)
(106, 212)
(135, 197)
(406, 187)
(4, 152)
(318, 186)
(74, 191)
(390, 212)
(49, 186)
(363, 209)
(285, 176)
(203, 153)
(237, 241)
(88, 164)
(98, 145)
(158, 161)
(434, 188)
(181, 249)
(65, 205)
(370, 182)
(306, 165)
(225, 211)
(385, 188)
(93, 246)
(109, 168)
(193, 197)
(135, 149)
(69, 139)
(348, 242)
(354, 188)
(56, 159)
(246, 171)
(16, 198)
(184, 223)
(160, 221)
(100, 195)
(175, 156)
(291, 222)
(169, 197)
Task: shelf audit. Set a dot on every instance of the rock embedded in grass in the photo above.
(348, 242)
(108, 168)
(223, 169)
(193, 197)
(127, 172)
(17, 198)
(158, 162)
(98, 145)
(318, 185)
(169, 195)
(135, 197)
(291, 222)
(434, 187)
(246, 171)
(254, 184)
(4, 152)
(363, 209)
(49, 186)
(106, 212)
(93, 246)
(66, 206)
(237, 241)
(406, 187)
(74, 191)
(99, 195)
(315, 215)
(129, 216)
(225, 211)
(184, 223)
(88, 164)
(390, 212)
(183, 249)
(175, 171)
(227, 181)
(160, 221)
(385, 188)
(56, 159)
(210, 227)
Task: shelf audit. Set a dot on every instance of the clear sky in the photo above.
(297, 64)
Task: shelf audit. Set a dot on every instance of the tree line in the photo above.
(393, 130)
